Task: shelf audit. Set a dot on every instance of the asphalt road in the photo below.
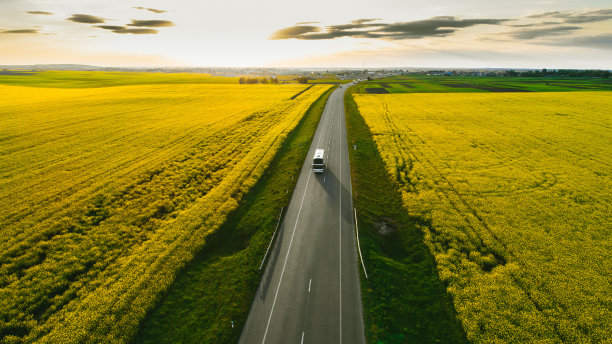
(309, 292)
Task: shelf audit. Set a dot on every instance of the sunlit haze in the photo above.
(317, 33)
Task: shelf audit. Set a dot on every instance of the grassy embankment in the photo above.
(403, 299)
(219, 285)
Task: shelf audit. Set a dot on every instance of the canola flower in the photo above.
(515, 190)
(106, 193)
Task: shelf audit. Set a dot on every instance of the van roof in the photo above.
(319, 153)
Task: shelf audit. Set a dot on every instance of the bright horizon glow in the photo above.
(237, 33)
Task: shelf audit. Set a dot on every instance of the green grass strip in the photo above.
(404, 300)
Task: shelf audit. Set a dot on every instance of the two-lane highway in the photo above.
(309, 292)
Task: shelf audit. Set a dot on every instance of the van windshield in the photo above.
(318, 161)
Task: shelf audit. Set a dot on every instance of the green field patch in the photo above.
(469, 84)
(490, 88)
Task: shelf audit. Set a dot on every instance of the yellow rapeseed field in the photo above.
(105, 193)
(516, 191)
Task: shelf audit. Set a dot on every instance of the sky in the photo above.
(309, 34)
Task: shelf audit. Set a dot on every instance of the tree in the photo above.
(512, 72)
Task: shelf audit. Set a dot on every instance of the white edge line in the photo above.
(271, 240)
(340, 231)
(358, 246)
(309, 283)
(357, 232)
(302, 342)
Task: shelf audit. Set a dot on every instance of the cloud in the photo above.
(150, 9)
(151, 23)
(603, 41)
(369, 28)
(545, 23)
(111, 27)
(306, 23)
(138, 24)
(355, 24)
(138, 31)
(555, 23)
(125, 30)
(361, 21)
(30, 31)
(40, 12)
(294, 31)
(536, 33)
(577, 17)
(544, 15)
(86, 19)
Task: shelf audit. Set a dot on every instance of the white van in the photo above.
(319, 161)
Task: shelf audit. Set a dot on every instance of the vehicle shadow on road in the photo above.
(330, 185)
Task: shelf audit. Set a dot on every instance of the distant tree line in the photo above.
(302, 79)
(562, 72)
(272, 80)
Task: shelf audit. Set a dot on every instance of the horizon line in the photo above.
(5, 66)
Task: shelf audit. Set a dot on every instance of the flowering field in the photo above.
(513, 193)
(106, 193)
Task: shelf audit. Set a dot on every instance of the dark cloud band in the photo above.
(86, 19)
(577, 17)
(151, 23)
(154, 10)
(136, 27)
(40, 13)
(369, 28)
(111, 27)
(22, 31)
(295, 31)
(559, 24)
(550, 31)
(126, 30)
(603, 41)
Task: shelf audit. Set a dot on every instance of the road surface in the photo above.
(309, 292)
